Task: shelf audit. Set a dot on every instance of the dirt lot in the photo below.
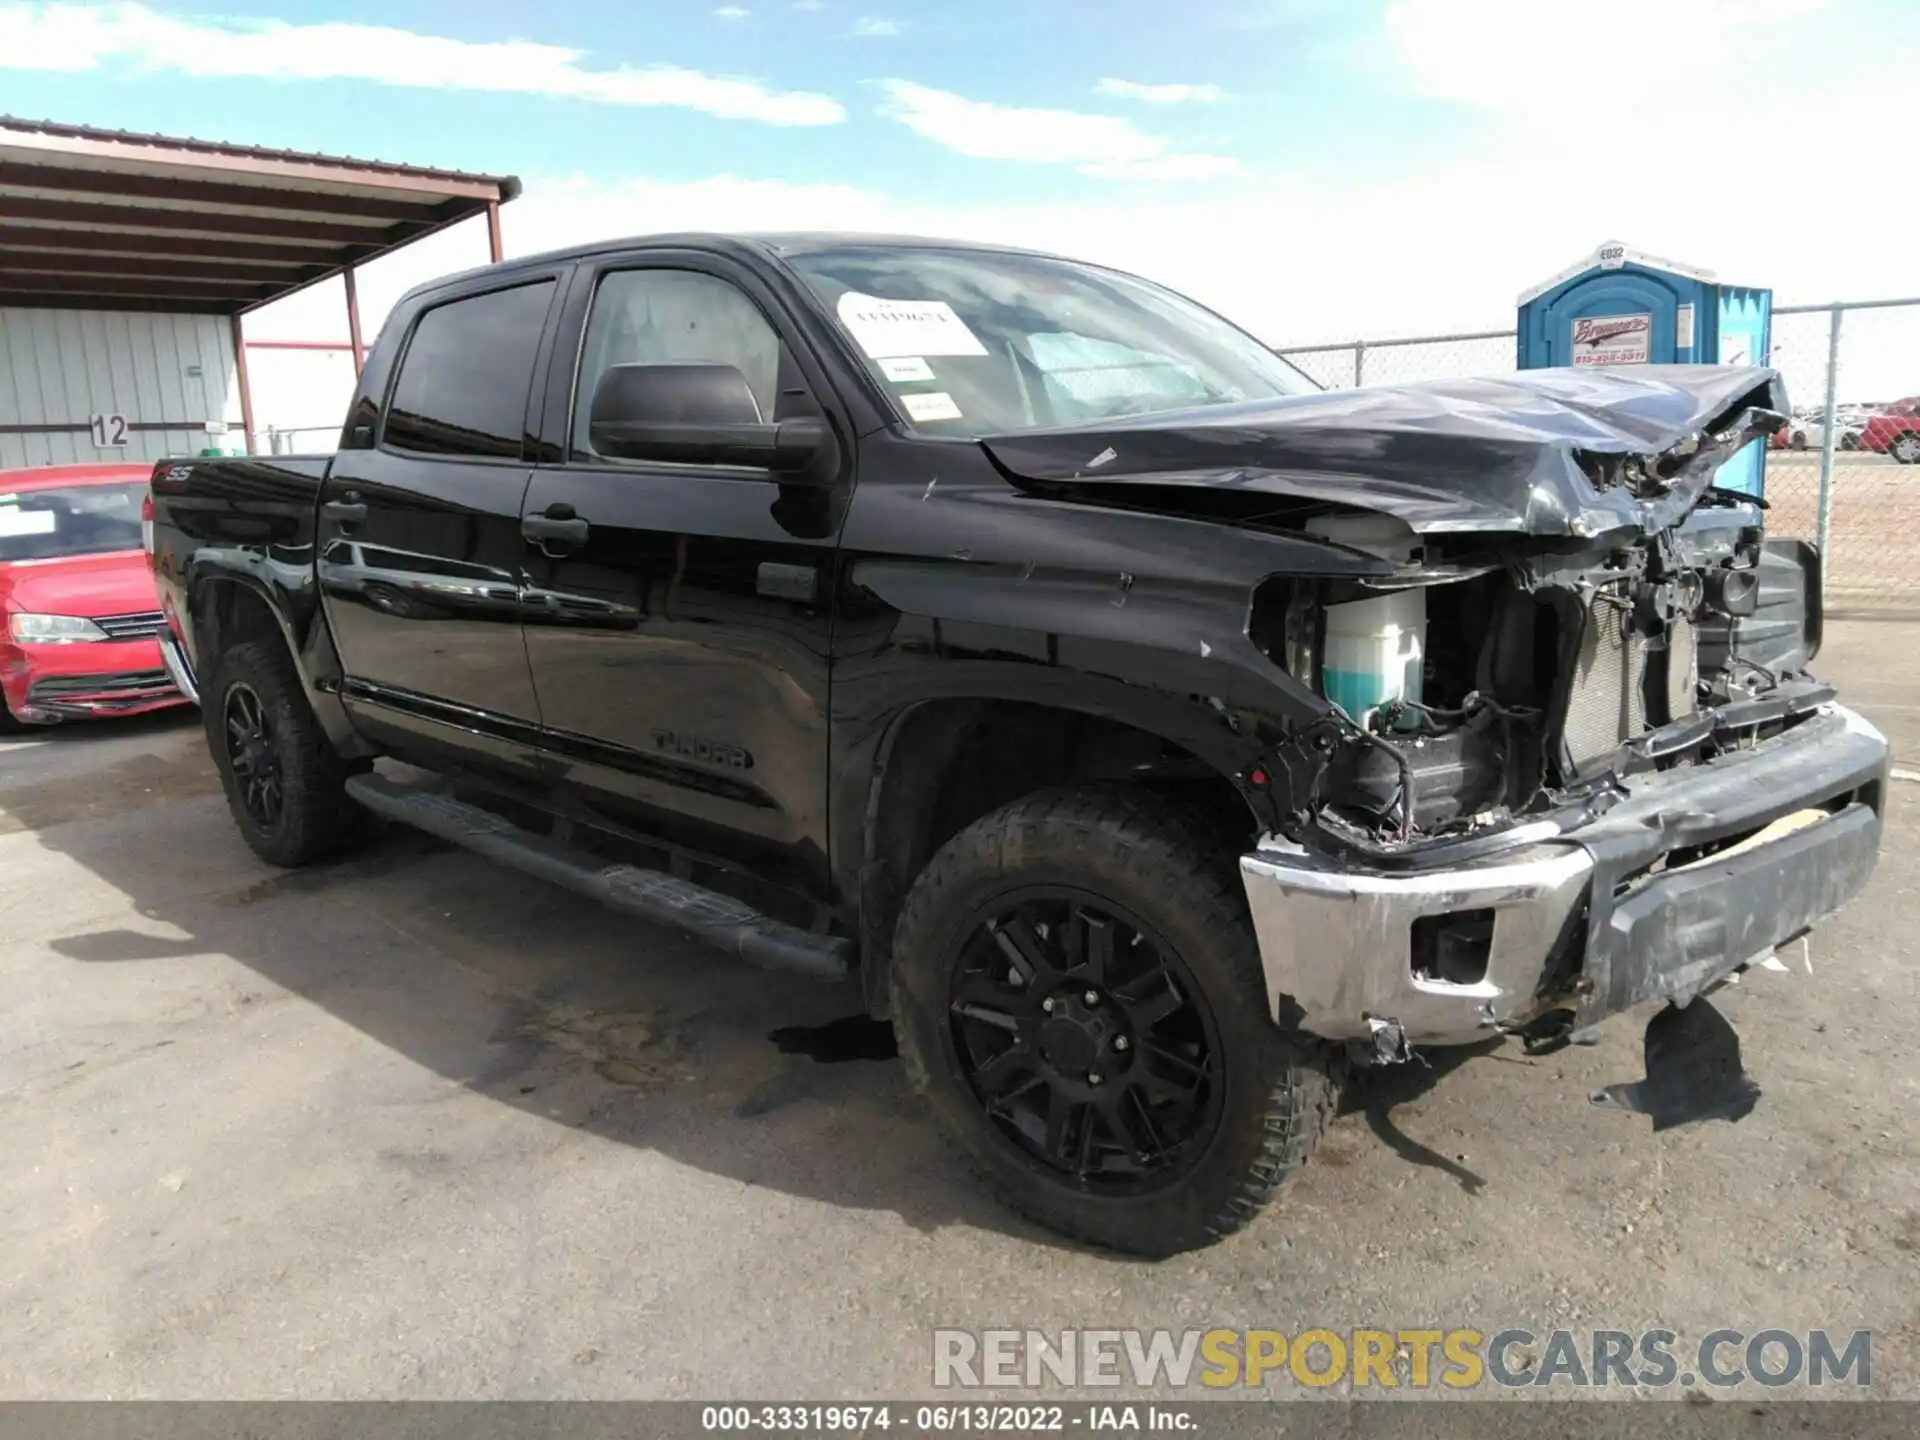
(410, 1126)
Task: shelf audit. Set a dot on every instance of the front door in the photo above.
(420, 552)
(678, 615)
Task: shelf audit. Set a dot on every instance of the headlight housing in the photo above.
(28, 629)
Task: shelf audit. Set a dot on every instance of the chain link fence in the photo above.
(1841, 474)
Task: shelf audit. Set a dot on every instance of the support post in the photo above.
(1359, 363)
(246, 388)
(1827, 428)
(493, 232)
(353, 320)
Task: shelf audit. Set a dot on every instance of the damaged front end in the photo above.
(1611, 780)
(1570, 756)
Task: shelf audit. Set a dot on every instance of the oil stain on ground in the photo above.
(851, 1037)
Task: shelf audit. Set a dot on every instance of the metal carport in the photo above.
(127, 262)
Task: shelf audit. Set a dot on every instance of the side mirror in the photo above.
(703, 415)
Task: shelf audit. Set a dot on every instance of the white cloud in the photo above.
(1724, 172)
(1101, 145)
(1474, 51)
(870, 26)
(732, 14)
(1174, 94)
(135, 38)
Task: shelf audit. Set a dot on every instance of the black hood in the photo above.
(1542, 452)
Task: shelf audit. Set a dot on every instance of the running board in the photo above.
(720, 920)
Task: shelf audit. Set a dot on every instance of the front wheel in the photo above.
(285, 783)
(1906, 447)
(1078, 994)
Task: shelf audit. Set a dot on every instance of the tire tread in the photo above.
(1174, 855)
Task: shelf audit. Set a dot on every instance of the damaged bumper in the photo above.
(1696, 873)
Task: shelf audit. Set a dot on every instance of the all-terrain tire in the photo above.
(1143, 854)
(315, 818)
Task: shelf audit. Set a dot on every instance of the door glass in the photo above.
(674, 317)
(464, 380)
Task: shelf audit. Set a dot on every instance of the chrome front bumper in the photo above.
(1595, 904)
(178, 668)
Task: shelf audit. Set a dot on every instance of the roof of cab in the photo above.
(778, 245)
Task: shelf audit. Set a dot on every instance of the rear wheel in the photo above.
(1906, 447)
(1079, 996)
(285, 783)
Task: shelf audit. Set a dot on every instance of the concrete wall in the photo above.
(166, 374)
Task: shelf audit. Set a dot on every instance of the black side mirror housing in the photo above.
(704, 415)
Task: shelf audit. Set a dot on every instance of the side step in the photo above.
(720, 920)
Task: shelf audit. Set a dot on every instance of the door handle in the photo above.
(344, 512)
(556, 525)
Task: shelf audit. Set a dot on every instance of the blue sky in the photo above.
(1319, 169)
(1266, 81)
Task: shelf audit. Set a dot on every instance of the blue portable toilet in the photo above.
(1621, 307)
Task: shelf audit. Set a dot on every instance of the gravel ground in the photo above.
(410, 1126)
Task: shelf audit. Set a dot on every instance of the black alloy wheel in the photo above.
(253, 755)
(1085, 1040)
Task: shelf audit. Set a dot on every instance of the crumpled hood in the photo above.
(1542, 452)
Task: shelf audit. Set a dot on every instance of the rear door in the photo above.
(419, 536)
(679, 633)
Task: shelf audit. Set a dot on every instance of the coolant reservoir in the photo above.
(1375, 649)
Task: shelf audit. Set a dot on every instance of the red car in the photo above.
(77, 601)
(1895, 431)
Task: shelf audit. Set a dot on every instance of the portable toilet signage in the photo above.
(1619, 306)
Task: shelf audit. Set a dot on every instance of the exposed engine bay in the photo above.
(1517, 594)
(1502, 689)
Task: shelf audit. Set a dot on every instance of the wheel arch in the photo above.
(940, 764)
(229, 608)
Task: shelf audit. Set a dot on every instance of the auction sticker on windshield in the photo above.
(889, 328)
(936, 406)
(906, 370)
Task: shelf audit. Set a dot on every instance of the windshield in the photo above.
(973, 343)
(46, 524)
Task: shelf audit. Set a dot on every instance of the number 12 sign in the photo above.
(109, 431)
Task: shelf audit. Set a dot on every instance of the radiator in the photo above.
(1624, 684)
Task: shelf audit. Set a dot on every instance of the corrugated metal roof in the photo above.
(111, 219)
(62, 131)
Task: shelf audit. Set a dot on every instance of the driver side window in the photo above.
(674, 317)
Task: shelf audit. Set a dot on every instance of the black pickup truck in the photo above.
(1152, 737)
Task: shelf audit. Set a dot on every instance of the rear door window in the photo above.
(464, 379)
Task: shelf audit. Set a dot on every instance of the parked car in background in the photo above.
(1895, 431)
(81, 613)
(1808, 430)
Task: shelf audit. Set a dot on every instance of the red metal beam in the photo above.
(246, 387)
(64, 240)
(298, 345)
(212, 288)
(353, 320)
(161, 267)
(143, 304)
(119, 185)
(318, 234)
(493, 232)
